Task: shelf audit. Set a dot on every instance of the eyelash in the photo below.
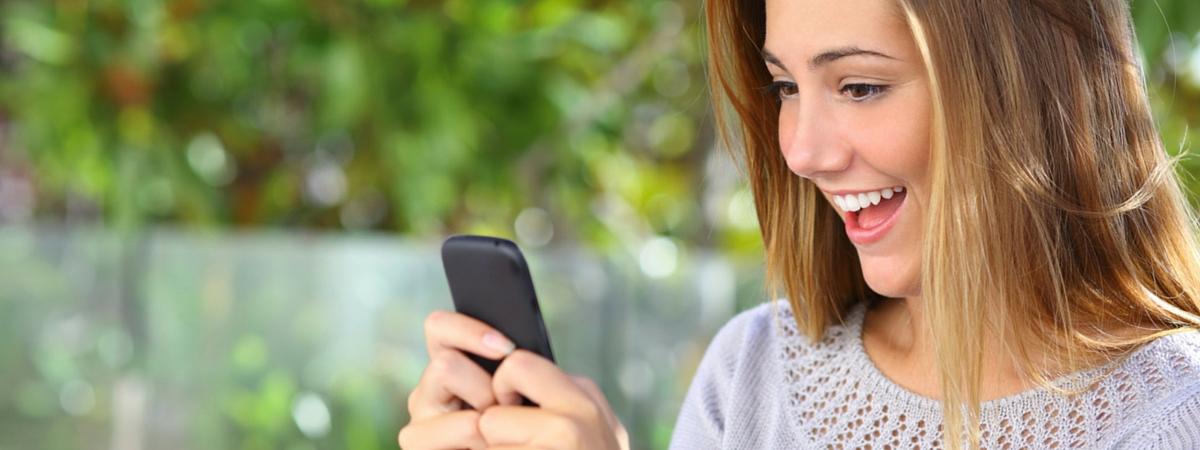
(876, 90)
(776, 89)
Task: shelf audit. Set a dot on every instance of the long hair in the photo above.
(1055, 217)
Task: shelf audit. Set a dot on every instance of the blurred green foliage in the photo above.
(417, 117)
(421, 117)
(566, 121)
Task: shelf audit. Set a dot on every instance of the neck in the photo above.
(897, 340)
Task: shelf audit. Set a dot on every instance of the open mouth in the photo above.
(870, 215)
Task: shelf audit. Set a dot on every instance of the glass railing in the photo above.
(269, 340)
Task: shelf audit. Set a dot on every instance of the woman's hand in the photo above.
(572, 414)
(439, 420)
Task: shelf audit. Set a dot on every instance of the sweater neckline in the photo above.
(875, 377)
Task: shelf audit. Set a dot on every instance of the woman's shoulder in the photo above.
(1182, 347)
(753, 324)
(773, 323)
(742, 377)
(1171, 364)
(732, 347)
(1166, 374)
(1167, 363)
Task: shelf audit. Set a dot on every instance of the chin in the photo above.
(890, 277)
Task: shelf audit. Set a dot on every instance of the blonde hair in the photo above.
(1040, 128)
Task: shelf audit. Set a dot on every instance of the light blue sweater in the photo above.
(762, 385)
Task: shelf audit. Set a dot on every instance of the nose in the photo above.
(809, 139)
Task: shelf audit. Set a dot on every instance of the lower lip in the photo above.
(866, 236)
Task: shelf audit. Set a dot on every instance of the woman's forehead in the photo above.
(797, 30)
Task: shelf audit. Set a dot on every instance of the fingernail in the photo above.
(498, 343)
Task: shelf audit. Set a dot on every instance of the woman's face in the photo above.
(854, 119)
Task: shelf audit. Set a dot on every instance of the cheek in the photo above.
(898, 143)
(912, 138)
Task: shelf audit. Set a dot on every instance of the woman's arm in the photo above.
(702, 418)
(700, 424)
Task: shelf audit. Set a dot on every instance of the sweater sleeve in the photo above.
(1177, 427)
(702, 418)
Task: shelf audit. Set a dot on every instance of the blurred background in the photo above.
(220, 220)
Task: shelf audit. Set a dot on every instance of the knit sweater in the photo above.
(763, 385)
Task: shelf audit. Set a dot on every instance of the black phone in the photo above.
(490, 281)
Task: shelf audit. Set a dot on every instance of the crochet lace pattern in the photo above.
(840, 397)
(763, 384)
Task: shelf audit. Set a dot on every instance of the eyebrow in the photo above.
(826, 57)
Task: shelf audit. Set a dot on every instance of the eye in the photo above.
(782, 89)
(862, 91)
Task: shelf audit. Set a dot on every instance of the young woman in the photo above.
(978, 231)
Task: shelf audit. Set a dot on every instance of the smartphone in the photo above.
(490, 281)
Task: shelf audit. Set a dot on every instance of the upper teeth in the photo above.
(855, 202)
